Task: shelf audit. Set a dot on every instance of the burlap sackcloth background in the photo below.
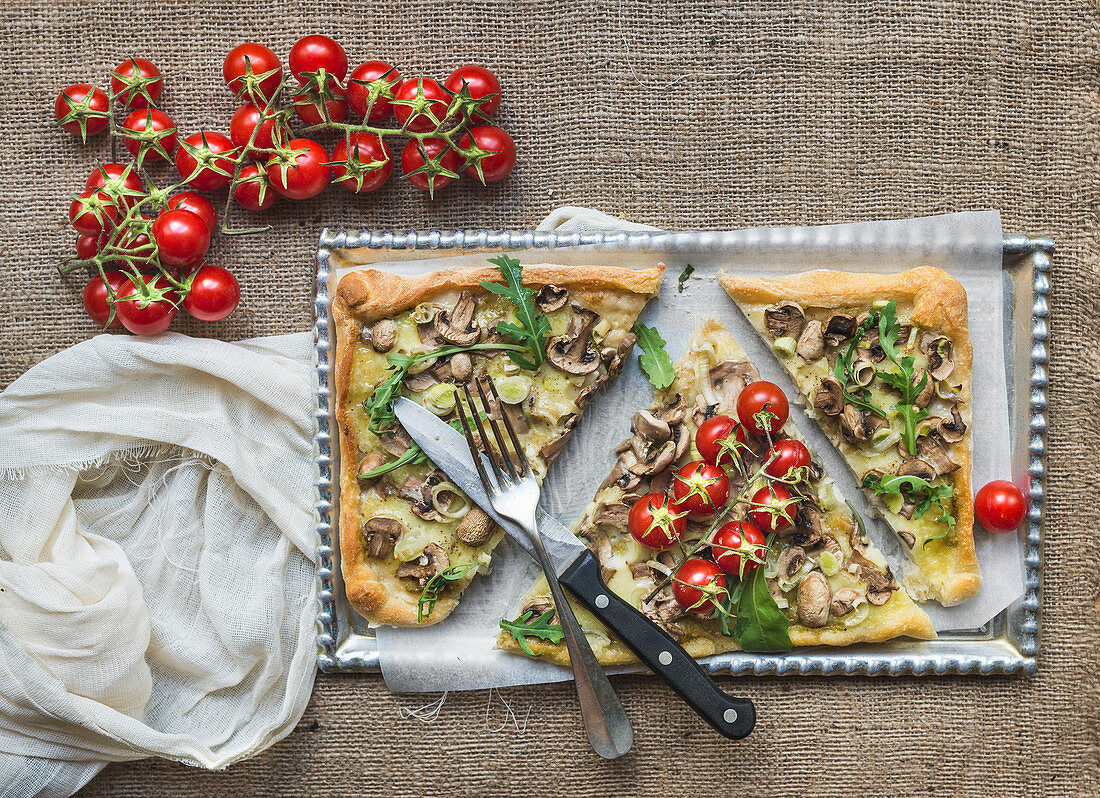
(783, 113)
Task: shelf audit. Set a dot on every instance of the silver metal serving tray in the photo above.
(1007, 644)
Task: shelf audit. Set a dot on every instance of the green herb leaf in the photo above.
(528, 626)
(533, 329)
(685, 275)
(430, 594)
(843, 370)
(920, 490)
(901, 380)
(654, 360)
(760, 625)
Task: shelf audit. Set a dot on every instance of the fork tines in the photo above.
(513, 463)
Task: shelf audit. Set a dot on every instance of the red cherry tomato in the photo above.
(314, 53)
(87, 247)
(80, 114)
(254, 191)
(481, 83)
(197, 204)
(205, 146)
(756, 398)
(384, 78)
(413, 158)
(182, 237)
(120, 182)
(137, 74)
(1000, 506)
(246, 119)
(789, 454)
(262, 60)
(150, 119)
(494, 167)
(739, 535)
(420, 120)
(215, 293)
(697, 584)
(700, 489)
(96, 302)
(717, 440)
(304, 175)
(93, 212)
(308, 106)
(370, 149)
(146, 317)
(654, 522)
(774, 509)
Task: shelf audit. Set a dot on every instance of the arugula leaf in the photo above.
(654, 360)
(528, 626)
(761, 625)
(901, 380)
(533, 329)
(843, 370)
(685, 275)
(929, 495)
(430, 594)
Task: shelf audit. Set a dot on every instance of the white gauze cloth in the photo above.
(156, 555)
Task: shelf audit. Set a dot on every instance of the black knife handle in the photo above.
(732, 717)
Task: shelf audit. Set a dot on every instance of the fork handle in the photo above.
(730, 716)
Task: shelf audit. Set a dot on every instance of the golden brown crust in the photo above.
(939, 303)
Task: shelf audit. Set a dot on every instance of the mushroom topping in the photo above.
(664, 611)
(879, 584)
(811, 344)
(917, 468)
(370, 462)
(383, 335)
(660, 458)
(380, 533)
(790, 561)
(396, 441)
(432, 560)
(839, 328)
(551, 298)
(729, 378)
(844, 602)
(683, 440)
(417, 383)
(932, 452)
(418, 493)
(784, 320)
(673, 411)
(953, 431)
(806, 530)
(550, 450)
(539, 607)
(927, 392)
(649, 426)
(599, 544)
(908, 538)
(857, 425)
(612, 515)
(475, 528)
(426, 331)
(940, 353)
(459, 327)
(461, 368)
(813, 599)
(702, 411)
(639, 570)
(829, 396)
(573, 352)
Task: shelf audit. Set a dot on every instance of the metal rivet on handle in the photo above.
(665, 658)
(730, 715)
(602, 601)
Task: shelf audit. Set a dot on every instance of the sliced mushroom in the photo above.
(660, 458)
(844, 602)
(934, 454)
(702, 411)
(839, 328)
(426, 331)
(880, 585)
(461, 368)
(600, 545)
(813, 600)
(383, 335)
(673, 411)
(396, 441)
(639, 570)
(550, 450)
(908, 538)
(459, 327)
(729, 378)
(791, 561)
(940, 351)
(953, 431)
(784, 320)
(811, 344)
(416, 383)
(418, 493)
(551, 298)
(370, 462)
(683, 440)
(573, 352)
(664, 611)
(432, 560)
(917, 468)
(854, 425)
(829, 396)
(612, 515)
(807, 528)
(650, 427)
(927, 392)
(381, 533)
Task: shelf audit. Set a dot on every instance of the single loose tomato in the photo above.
(137, 83)
(197, 204)
(733, 543)
(311, 54)
(215, 293)
(253, 191)
(700, 489)
(1000, 506)
(117, 181)
(301, 171)
(773, 509)
(182, 237)
(199, 163)
(760, 397)
(311, 110)
(149, 310)
(97, 298)
(699, 586)
(248, 118)
(420, 104)
(480, 82)
(366, 166)
(93, 212)
(720, 439)
(655, 523)
(150, 127)
(370, 90)
(429, 165)
(495, 154)
(253, 72)
(82, 110)
(789, 454)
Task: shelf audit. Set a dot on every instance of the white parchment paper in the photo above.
(460, 653)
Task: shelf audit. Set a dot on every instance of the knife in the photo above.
(579, 570)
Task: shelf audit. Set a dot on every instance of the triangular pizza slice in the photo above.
(782, 562)
(884, 362)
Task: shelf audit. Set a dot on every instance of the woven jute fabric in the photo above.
(683, 114)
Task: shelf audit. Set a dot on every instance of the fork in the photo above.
(514, 493)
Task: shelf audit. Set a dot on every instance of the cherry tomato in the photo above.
(370, 149)
(262, 60)
(738, 535)
(308, 107)
(314, 53)
(93, 212)
(774, 509)
(96, 296)
(205, 147)
(1000, 506)
(789, 454)
(215, 293)
(87, 247)
(439, 156)
(117, 181)
(700, 489)
(81, 114)
(182, 237)
(150, 119)
(303, 175)
(420, 120)
(757, 397)
(197, 204)
(146, 317)
(254, 191)
(481, 83)
(655, 523)
(494, 167)
(717, 440)
(359, 91)
(246, 119)
(694, 574)
(137, 74)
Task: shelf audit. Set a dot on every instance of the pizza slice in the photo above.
(784, 562)
(549, 336)
(884, 361)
